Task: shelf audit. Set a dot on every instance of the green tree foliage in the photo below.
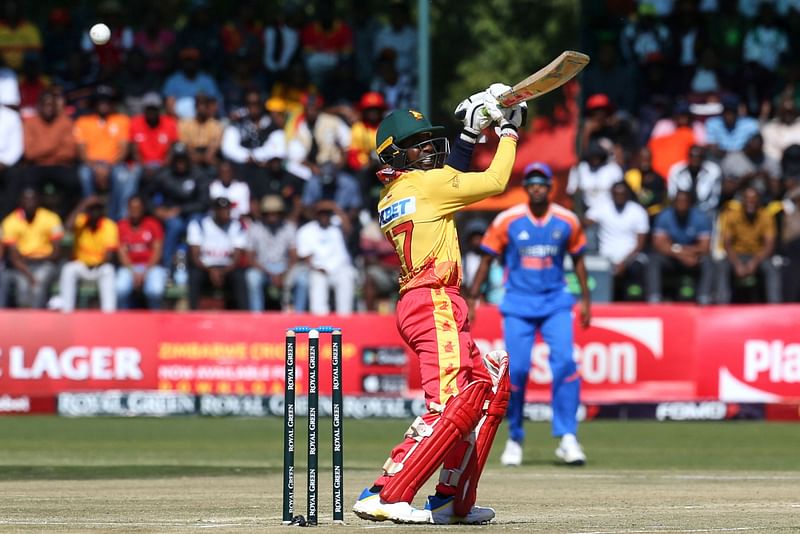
(478, 42)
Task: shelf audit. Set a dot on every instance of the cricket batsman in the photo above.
(466, 395)
(533, 240)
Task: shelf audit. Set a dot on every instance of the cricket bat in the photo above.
(558, 72)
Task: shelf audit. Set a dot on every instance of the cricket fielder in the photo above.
(466, 395)
(533, 239)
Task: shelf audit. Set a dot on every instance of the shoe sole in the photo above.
(573, 462)
(372, 517)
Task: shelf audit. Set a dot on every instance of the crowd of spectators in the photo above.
(689, 179)
(192, 162)
(197, 161)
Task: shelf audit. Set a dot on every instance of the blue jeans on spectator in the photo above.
(295, 287)
(123, 184)
(174, 228)
(257, 281)
(155, 280)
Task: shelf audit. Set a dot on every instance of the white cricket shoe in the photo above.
(570, 451)
(441, 510)
(370, 506)
(512, 454)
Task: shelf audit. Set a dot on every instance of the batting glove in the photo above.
(471, 113)
(508, 119)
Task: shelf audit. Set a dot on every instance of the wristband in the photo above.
(469, 135)
(509, 130)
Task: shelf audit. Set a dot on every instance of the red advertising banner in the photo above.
(630, 354)
(749, 356)
(227, 353)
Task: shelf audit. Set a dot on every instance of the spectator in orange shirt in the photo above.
(17, 36)
(102, 150)
(152, 136)
(50, 153)
(96, 241)
(671, 139)
(32, 235)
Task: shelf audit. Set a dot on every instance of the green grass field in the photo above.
(180, 474)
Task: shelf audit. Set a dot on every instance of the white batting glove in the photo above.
(471, 113)
(508, 119)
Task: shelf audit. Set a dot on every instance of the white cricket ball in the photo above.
(100, 34)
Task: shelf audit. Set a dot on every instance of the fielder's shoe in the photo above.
(441, 510)
(570, 451)
(370, 506)
(512, 454)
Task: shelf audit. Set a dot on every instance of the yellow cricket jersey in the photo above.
(416, 215)
(91, 245)
(34, 240)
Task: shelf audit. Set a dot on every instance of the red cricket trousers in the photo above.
(433, 322)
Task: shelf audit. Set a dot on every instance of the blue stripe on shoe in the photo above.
(366, 494)
(435, 503)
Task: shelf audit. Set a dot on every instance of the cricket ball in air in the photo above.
(100, 34)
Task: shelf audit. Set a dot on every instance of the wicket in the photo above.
(313, 413)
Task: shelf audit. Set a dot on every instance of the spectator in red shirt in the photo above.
(152, 136)
(326, 42)
(141, 239)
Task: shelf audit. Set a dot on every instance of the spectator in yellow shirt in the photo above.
(96, 241)
(32, 235)
(748, 234)
(17, 36)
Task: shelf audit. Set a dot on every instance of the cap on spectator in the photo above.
(730, 103)
(151, 100)
(180, 150)
(272, 204)
(372, 99)
(189, 53)
(537, 173)
(220, 202)
(103, 92)
(598, 101)
(275, 104)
